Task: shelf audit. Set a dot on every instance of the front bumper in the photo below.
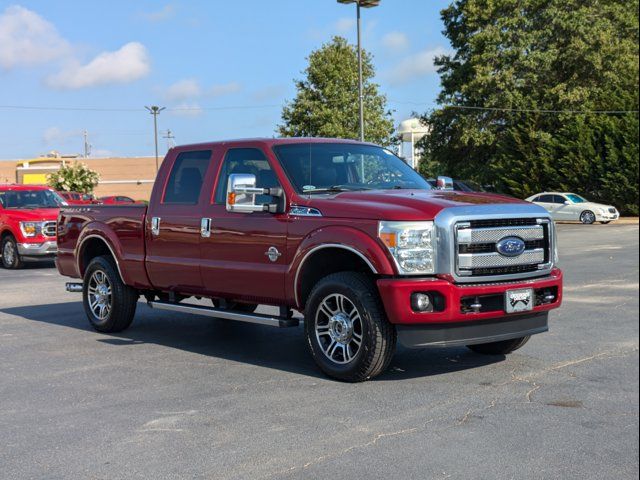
(455, 298)
(43, 249)
(607, 217)
(471, 333)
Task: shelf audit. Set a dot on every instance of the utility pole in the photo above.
(87, 145)
(169, 136)
(155, 111)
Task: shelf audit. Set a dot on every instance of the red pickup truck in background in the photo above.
(28, 217)
(342, 231)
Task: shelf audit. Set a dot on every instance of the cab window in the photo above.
(186, 178)
(545, 199)
(246, 160)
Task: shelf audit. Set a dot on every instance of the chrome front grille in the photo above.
(49, 229)
(476, 253)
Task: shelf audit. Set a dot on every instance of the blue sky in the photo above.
(200, 59)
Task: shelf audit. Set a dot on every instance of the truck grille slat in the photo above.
(476, 246)
(49, 229)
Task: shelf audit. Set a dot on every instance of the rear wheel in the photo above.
(347, 329)
(499, 348)
(588, 217)
(10, 256)
(110, 305)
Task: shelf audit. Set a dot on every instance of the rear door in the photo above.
(236, 260)
(546, 201)
(173, 223)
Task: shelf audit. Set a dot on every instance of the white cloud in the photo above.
(183, 89)
(129, 63)
(415, 66)
(395, 41)
(345, 25)
(28, 39)
(55, 135)
(224, 89)
(165, 13)
(187, 109)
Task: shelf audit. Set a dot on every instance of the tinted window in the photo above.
(319, 167)
(246, 160)
(187, 175)
(558, 199)
(545, 199)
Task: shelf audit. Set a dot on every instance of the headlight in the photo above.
(412, 245)
(29, 229)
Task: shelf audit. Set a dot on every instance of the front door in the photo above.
(173, 224)
(244, 257)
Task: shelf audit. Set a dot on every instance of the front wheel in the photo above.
(588, 217)
(606, 223)
(347, 329)
(110, 305)
(499, 348)
(10, 256)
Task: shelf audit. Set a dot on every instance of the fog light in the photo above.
(421, 302)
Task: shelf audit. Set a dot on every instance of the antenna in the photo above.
(87, 145)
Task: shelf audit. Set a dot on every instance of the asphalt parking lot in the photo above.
(181, 396)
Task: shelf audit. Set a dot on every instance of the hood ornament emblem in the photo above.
(511, 246)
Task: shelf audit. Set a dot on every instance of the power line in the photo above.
(137, 110)
(518, 110)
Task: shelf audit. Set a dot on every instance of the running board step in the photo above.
(226, 314)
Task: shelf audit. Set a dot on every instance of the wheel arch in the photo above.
(92, 246)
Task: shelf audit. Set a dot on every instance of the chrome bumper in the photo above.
(38, 249)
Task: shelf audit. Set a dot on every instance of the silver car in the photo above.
(570, 207)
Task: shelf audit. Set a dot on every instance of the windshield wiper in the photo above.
(335, 189)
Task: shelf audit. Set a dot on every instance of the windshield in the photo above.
(30, 199)
(336, 167)
(575, 198)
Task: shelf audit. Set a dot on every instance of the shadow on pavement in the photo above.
(280, 349)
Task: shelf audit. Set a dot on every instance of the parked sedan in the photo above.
(572, 207)
(116, 200)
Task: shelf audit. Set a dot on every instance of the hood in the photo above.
(594, 205)
(33, 214)
(399, 204)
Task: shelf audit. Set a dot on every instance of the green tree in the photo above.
(326, 103)
(518, 90)
(75, 177)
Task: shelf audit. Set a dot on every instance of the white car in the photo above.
(570, 207)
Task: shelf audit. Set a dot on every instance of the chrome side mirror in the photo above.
(242, 191)
(444, 183)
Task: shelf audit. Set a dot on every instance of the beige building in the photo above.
(130, 176)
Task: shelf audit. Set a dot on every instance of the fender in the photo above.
(348, 238)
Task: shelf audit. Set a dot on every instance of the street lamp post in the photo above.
(155, 111)
(361, 4)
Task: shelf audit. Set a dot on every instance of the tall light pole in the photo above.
(361, 4)
(155, 111)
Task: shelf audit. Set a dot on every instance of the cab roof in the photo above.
(20, 187)
(270, 142)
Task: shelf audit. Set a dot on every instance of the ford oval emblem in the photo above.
(511, 246)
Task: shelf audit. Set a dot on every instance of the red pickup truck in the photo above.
(342, 231)
(28, 217)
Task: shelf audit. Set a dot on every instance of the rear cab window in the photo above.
(187, 178)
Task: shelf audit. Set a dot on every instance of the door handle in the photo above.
(155, 226)
(205, 228)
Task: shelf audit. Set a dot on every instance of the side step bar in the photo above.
(73, 287)
(226, 314)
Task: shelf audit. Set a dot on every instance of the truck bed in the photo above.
(123, 228)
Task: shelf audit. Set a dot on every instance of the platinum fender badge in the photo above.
(273, 254)
(511, 246)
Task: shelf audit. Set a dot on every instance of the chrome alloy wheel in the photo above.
(99, 291)
(588, 217)
(9, 253)
(339, 328)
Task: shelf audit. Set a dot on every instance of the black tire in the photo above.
(588, 217)
(606, 223)
(370, 324)
(121, 303)
(237, 306)
(9, 252)
(499, 348)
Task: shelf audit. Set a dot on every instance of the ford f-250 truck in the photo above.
(342, 231)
